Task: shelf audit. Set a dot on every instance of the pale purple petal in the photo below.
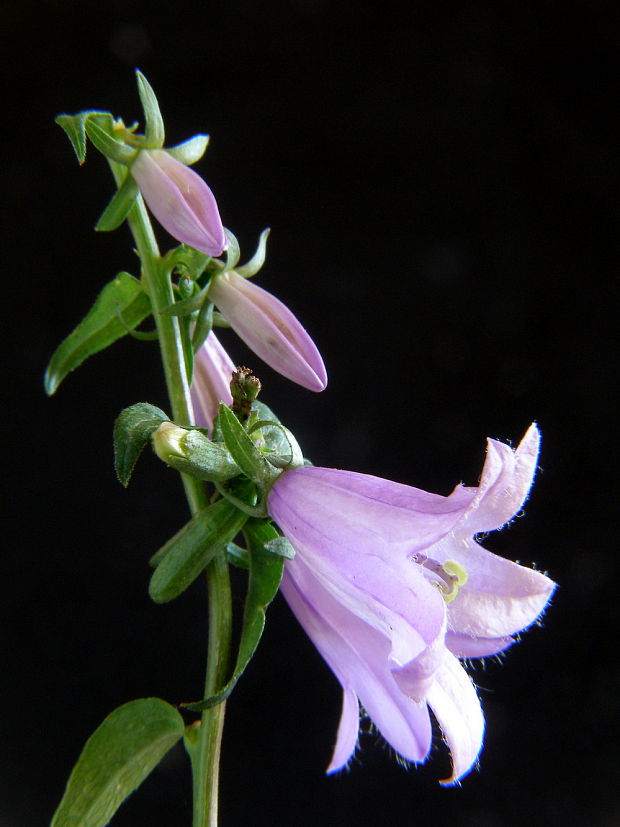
(374, 560)
(180, 200)
(455, 704)
(467, 646)
(357, 655)
(270, 329)
(385, 518)
(500, 597)
(504, 485)
(348, 731)
(359, 560)
(213, 370)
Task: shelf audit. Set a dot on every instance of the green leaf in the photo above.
(252, 267)
(75, 126)
(191, 549)
(154, 125)
(120, 205)
(116, 759)
(103, 138)
(265, 574)
(100, 327)
(189, 151)
(244, 452)
(132, 430)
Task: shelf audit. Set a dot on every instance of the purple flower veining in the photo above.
(269, 328)
(392, 587)
(180, 200)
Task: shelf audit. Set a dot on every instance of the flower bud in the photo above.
(180, 200)
(244, 388)
(213, 370)
(270, 329)
(191, 452)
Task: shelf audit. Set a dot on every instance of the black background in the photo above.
(441, 184)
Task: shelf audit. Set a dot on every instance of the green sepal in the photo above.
(203, 326)
(186, 344)
(251, 267)
(238, 556)
(243, 451)
(189, 151)
(281, 448)
(132, 430)
(190, 262)
(281, 547)
(120, 205)
(102, 136)
(75, 128)
(265, 574)
(192, 548)
(186, 307)
(116, 759)
(233, 253)
(100, 327)
(154, 134)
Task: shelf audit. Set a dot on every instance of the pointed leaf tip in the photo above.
(154, 125)
(132, 431)
(100, 328)
(116, 759)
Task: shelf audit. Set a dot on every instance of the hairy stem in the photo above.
(205, 754)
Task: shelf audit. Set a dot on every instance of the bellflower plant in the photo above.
(388, 581)
(392, 587)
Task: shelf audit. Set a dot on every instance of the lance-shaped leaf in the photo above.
(132, 430)
(191, 549)
(154, 125)
(265, 574)
(244, 452)
(75, 128)
(120, 205)
(121, 306)
(103, 138)
(116, 759)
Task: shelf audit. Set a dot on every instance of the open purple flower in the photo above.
(270, 329)
(392, 588)
(213, 369)
(180, 200)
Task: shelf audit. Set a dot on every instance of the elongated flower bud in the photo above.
(180, 200)
(213, 369)
(193, 453)
(270, 329)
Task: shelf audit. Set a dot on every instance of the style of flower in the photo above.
(213, 369)
(270, 329)
(392, 587)
(180, 200)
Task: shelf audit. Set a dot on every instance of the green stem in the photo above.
(206, 753)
